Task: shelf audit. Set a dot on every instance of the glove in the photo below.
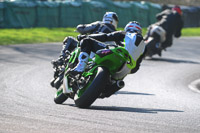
(80, 37)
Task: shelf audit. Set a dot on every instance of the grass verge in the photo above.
(44, 35)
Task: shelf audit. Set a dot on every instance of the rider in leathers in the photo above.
(133, 44)
(169, 23)
(107, 25)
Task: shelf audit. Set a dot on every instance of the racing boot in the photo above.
(80, 67)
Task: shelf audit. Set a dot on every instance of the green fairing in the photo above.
(112, 59)
(74, 55)
(132, 63)
(59, 92)
(115, 60)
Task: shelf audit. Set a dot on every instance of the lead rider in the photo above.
(133, 44)
(107, 25)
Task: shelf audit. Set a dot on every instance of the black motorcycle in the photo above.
(153, 40)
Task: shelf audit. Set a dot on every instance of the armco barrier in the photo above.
(123, 11)
(19, 14)
(141, 12)
(26, 14)
(1, 15)
(70, 14)
(48, 14)
(153, 9)
(191, 16)
(93, 11)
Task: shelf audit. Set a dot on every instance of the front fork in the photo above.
(66, 89)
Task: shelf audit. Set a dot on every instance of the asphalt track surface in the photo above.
(155, 99)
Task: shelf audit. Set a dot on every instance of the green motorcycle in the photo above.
(101, 78)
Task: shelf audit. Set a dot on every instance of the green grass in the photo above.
(191, 32)
(34, 35)
(44, 35)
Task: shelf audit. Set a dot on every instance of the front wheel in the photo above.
(152, 47)
(94, 89)
(60, 97)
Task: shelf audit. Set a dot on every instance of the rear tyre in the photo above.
(94, 90)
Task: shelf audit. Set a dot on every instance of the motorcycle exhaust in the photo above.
(110, 90)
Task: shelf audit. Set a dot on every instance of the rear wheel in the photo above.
(94, 89)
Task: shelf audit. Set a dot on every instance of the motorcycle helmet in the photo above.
(110, 18)
(177, 9)
(133, 26)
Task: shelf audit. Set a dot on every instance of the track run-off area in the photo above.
(158, 98)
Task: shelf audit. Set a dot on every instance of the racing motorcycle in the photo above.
(154, 38)
(99, 80)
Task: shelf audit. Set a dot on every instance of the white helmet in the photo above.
(110, 18)
(133, 26)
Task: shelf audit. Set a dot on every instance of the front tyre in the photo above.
(94, 90)
(151, 47)
(60, 97)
